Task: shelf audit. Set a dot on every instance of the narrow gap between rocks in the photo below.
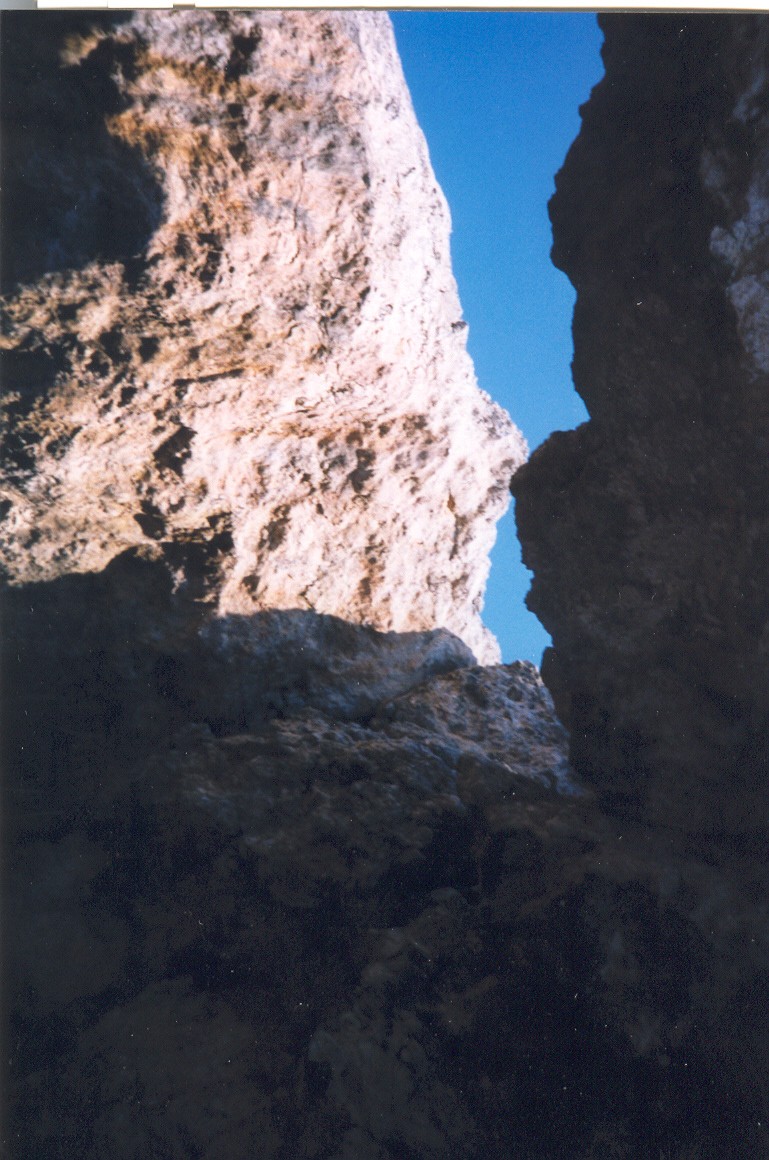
(513, 83)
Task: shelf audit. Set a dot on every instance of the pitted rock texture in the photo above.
(259, 342)
(648, 527)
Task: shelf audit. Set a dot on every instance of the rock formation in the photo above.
(267, 365)
(648, 528)
(286, 872)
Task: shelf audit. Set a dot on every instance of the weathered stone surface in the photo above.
(381, 939)
(276, 883)
(273, 356)
(648, 528)
(362, 803)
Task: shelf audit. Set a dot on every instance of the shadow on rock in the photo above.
(99, 668)
(286, 885)
(71, 191)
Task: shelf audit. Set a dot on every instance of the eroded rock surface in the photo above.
(258, 345)
(648, 527)
(294, 877)
(379, 938)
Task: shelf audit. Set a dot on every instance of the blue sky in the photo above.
(497, 95)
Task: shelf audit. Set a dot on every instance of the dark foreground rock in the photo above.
(406, 932)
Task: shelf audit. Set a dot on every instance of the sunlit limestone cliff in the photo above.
(237, 324)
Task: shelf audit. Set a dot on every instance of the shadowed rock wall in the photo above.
(648, 528)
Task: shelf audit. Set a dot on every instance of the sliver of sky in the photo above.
(497, 95)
